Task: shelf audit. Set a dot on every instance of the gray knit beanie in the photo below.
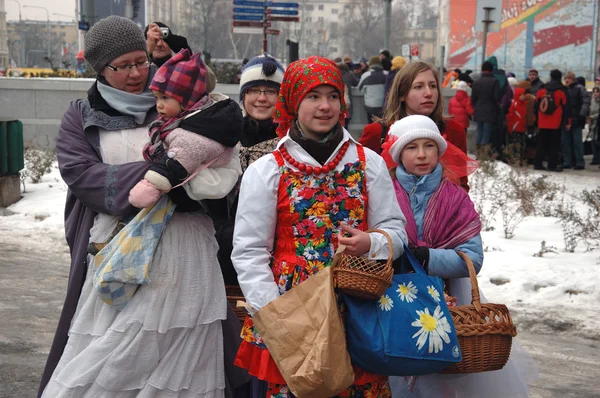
(110, 38)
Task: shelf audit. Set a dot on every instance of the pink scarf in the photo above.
(450, 218)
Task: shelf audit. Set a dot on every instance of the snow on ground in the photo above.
(36, 222)
(557, 292)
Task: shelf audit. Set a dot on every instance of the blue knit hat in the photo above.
(261, 70)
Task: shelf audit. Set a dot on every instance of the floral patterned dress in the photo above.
(310, 210)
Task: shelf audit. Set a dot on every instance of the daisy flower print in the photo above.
(434, 328)
(433, 293)
(385, 303)
(407, 292)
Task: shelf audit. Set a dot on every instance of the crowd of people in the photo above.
(260, 193)
(512, 119)
(528, 121)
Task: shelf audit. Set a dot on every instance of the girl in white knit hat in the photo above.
(440, 220)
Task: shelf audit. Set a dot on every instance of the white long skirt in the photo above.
(511, 381)
(167, 342)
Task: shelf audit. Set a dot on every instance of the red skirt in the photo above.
(259, 363)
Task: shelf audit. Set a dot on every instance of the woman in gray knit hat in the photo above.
(168, 339)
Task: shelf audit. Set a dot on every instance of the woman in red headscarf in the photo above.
(296, 202)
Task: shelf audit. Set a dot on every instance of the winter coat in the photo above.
(536, 85)
(506, 91)
(372, 85)
(389, 80)
(207, 135)
(578, 104)
(557, 119)
(520, 113)
(594, 113)
(461, 107)
(92, 190)
(444, 263)
(258, 139)
(485, 96)
(373, 136)
(350, 80)
(507, 97)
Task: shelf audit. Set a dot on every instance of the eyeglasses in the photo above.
(128, 68)
(255, 92)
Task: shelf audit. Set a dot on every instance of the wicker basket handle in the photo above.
(475, 299)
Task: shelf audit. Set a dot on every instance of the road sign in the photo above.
(241, 10)
(244, 17)
(83, 25)
(282, 12)
(274, 32)
(247, 31)
(252, 24)
(284, 19)
(414, 50)
(406, 50)
(494, 16)
(282, 5)
(247, 3)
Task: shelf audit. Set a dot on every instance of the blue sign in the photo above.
(248, 10)
(247, 3)
(238, 17)
(284, 12)
(282, 5)
(83, 25)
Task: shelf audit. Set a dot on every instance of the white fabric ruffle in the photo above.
(167, 342)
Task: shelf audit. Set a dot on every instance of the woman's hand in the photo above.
(357, 244)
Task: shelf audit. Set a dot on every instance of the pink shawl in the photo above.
(450, 218)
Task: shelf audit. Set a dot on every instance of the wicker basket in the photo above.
(234, 294)
(360, 277)
(485, 332)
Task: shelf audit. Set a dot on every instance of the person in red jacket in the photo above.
(519, 119)
(550, 102)
(416, 91)
(460, 106)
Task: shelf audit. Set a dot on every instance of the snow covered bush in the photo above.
(37, 163)
(545, 249)
(512, 192)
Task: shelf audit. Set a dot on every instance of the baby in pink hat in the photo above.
(195, 130)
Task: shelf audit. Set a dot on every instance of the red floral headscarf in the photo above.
(299, 79)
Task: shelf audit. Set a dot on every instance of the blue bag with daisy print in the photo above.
(406, 332)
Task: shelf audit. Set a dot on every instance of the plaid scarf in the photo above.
(299, 79)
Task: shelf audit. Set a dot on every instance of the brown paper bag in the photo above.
(304, 333)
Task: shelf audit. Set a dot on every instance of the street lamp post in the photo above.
(48, 25)
(21, 41)
(388, 24)
(17, 1)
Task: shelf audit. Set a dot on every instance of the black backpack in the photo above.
(547, 104)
